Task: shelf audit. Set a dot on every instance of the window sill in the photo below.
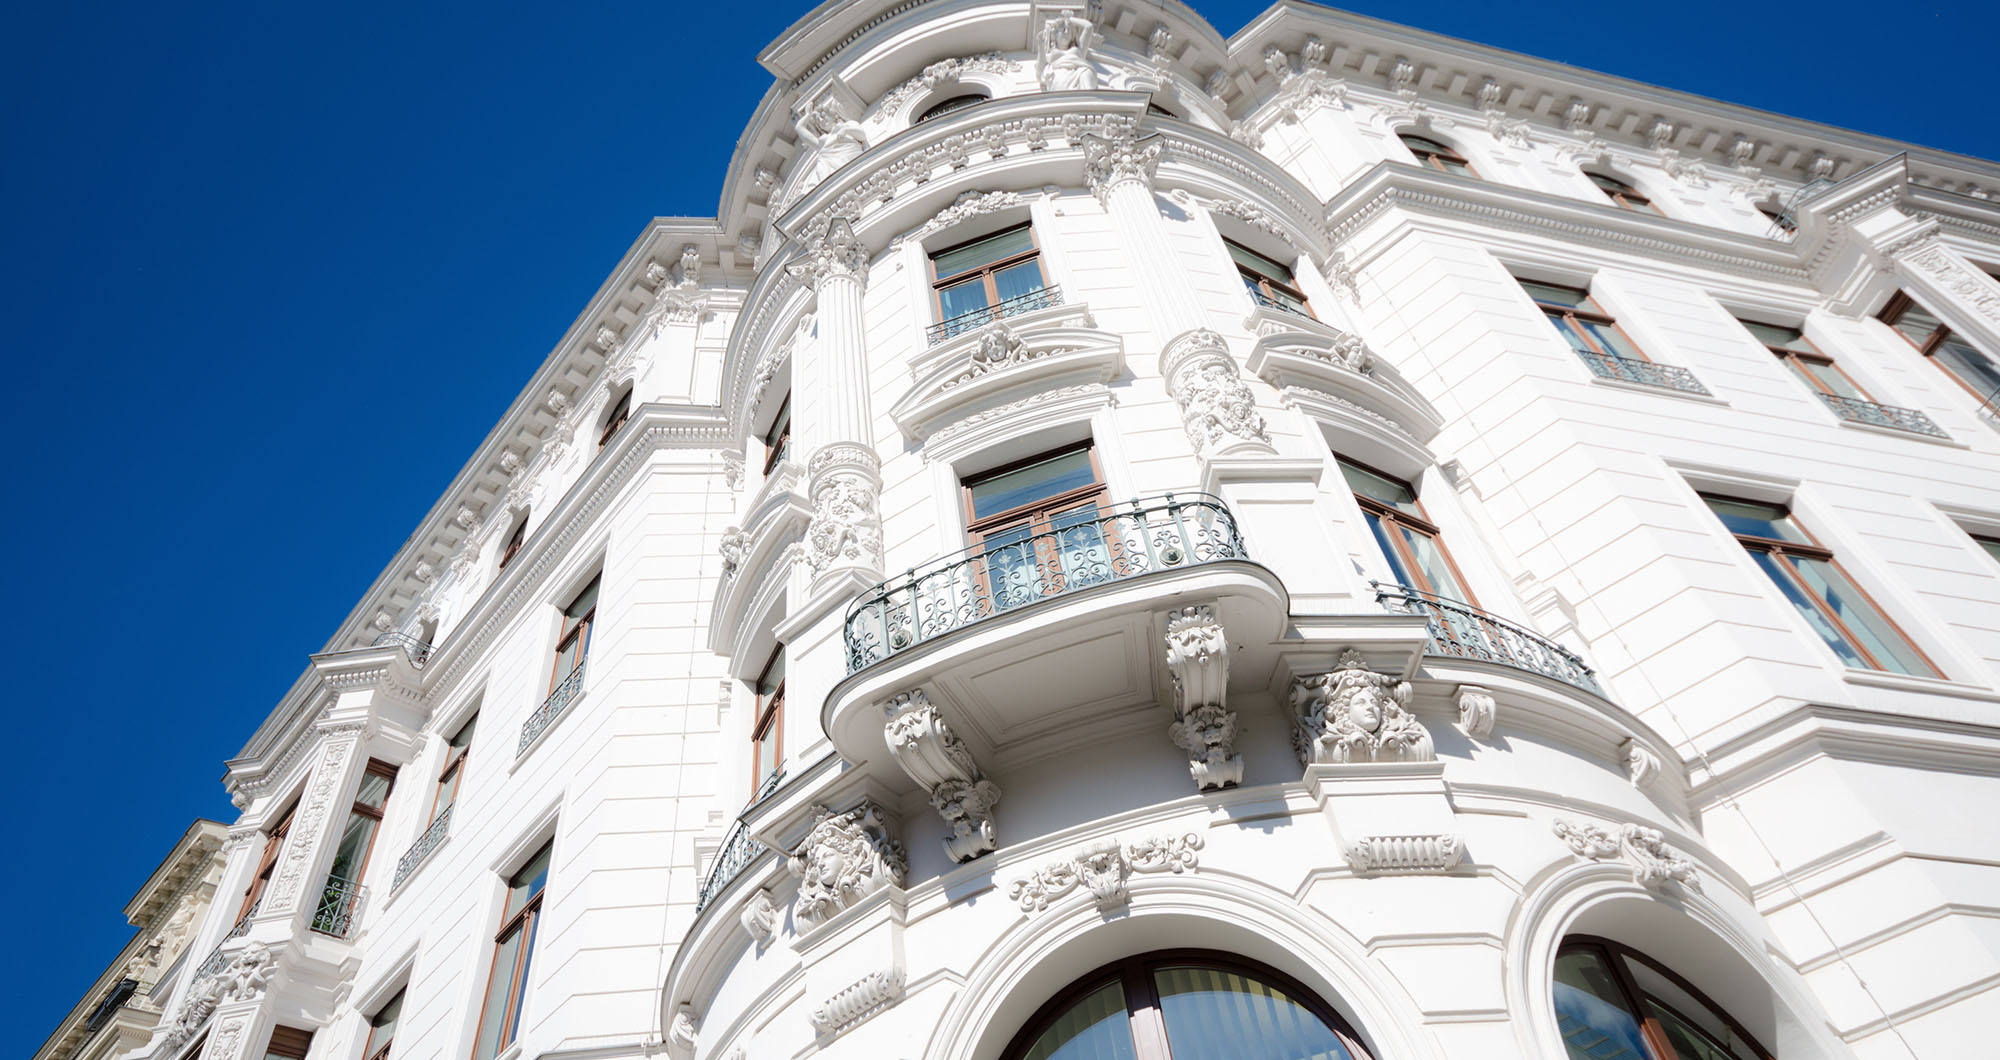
(1934, 686)
(555, 723)
(1658, 391)
(1898, 432)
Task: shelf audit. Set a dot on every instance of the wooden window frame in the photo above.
(1422, 524)
(267, 861)
(1435, 159)
(986, 272)
(1793, 358)
(1147, 1024)
(1037, 514)
(1625, 196)
(514, 541)
(371, 1051)
(574, 629)
(1812, 549)
(454, 763)
(778, 438)
(1572, 320)
(376, 767)
(620, 413)
(768, 720)
(524, 921)
(1901, 303)
(1610, 952)
(288, 1042)
(1264, 283)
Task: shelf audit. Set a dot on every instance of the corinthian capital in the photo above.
(1123, 156)
(836, 253)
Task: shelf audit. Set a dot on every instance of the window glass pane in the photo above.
(984, 251)
(1422, 145)
(1213, 1014)
(949, 105)
(1046, 478)
(1550, 294)
(349, 856)
(1808, 608)
(1591, 1012)
(499, 994)
(1451, 165)
(1916, 325)
(584, 601)
(1752, 519)
(774, 674)
(1991, 546)
(1830, 379)
(1097, 1028)
(960, 299)
(374, 790)
(1573, 334)
(527, 883)
(463, 737)
(1397, 568)
(1437, 572)
(1874, 631)
(383, 1026)
(1379, 488)
(1260, 264)
(1775, 335)
(1697, 1030)
(1612, 340)
(1017, 280)
(447, 792)
(1972, 367)
(767, 757)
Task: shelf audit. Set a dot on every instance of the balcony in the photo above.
(418, 651)
(739, 850)
(559, 700)
(216, 962)
(420, 851)
(1643, 373)
(978, 318)
(1462, 631)
(1265, 301)
(339, 906)
(982, 582)
(1855, 410)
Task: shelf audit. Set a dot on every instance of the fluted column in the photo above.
(1120, 169)
(843, 475)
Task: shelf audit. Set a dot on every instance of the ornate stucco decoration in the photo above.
(998, 348)
(1511, 131)
(734, 547)
(683, 1034)
(760, 917)
(1977, 292)
(1654, 863)
(846, 526)
(846, 857)
(835, 253)
(1204, 726)
(943, 71)
(1476, 711)
(303, 837)
(1218, 409)
(1641, 766)
(858, 1001)
(1119, 156)
(776, 356)
(1062, 62)
(1104, 868)
(968, 205)
(1252, 215)
(957, 429)
(939, 762)
(1404, 853)
(833, 136)
(732, 468)
(1353, 714)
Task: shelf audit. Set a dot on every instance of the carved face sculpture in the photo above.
(1359, 709)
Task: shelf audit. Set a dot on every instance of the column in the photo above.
(1120, 169)
(843, 476)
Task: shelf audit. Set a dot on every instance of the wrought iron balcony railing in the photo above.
(419, 851)
(215, 962)
(978, 318)
(1464, 631)
(1856, 410)
(339, 907)
(738, 851)
(416, 649)
(1644, 373)
(551, 708)
(1258, 296)
(1079, 549)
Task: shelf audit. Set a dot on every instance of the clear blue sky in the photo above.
(272, 270)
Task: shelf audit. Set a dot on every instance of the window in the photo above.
(1612, 1001)
(1158, 111)
(620, 412)
(1804, 359)
(1407, 537)
(1624, 195)
(1187, 1005)
(778, 440)
(1780, 218)
(1806, 574)
(767, 730)
(341, 894)
(986, 272)
(1037, 525)
(514, 540)
(940, 109)
(382, 1029)
(507, 985)
(1973, 369)
(452, 776)
(287, 1043)
(1269, 283)
(1431, 153)
(574, 644)
(265, 864)
(1991, 545)
(1587, 328)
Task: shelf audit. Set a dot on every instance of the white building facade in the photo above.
(1119, 542)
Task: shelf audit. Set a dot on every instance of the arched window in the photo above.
(944, 107)
(1624, 195)
(1436, 155)
(1158, 111)
(621, 410)
(1185, 1005)
(1612, 1001)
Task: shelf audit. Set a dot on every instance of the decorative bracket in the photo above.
(1204, 726)
(939, 762)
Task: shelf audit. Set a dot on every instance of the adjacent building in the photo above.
(1114, 540)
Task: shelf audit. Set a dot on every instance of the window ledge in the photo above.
(1898, 432)
(1935, 686)
(1659, 391)
(527, 752)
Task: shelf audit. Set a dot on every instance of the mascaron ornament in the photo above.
(846, 857)
(1354, 714)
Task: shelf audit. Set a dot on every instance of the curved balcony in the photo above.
(738, 852)
(1144, 537)
(1462, 631)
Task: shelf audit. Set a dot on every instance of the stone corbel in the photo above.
(939, 762)
(1204, 726)
(1353, 714)
(1218, 409)
(1641, 765)
(683, 1034)
(760, 917)
(1476, 711)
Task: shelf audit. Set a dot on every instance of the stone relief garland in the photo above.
(943, 71)
(845, 857)
(1653, 862)
(1974, 291)
(958, 427)
(968, 205)
(1104, 868)
(1353, 714)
